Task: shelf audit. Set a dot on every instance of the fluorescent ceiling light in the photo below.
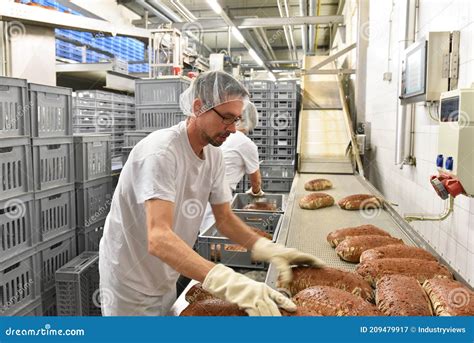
(237, 34)
(215, 6)
(255, 57)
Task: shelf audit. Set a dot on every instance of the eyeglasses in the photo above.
(228, 120)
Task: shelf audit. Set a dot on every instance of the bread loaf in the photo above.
(360, 202)
(330, 301)
(197, 293)
(314, 201)
(335, 237)
(261, 206)
(317, 185)
(213, 308)
(421, 270)
(305, 277)
(449, 297)
(400, 295)
(396, 251)
(216, 248)
(351, 248)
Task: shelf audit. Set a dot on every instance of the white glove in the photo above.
(283, 258)
(259, 194)
(256, 298)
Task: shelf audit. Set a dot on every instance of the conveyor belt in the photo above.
(306, 230)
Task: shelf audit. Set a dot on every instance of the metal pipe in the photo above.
(153, 10)
(183, 10)
(262, 43)
(316, 28)
(311, 29)
(267, 42)
(290, 30)
(166, 11)
(304, 28)
(285, 29)
(422, 217)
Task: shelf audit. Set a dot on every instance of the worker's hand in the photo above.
(283, 258)
(256, 298)
(259, 194)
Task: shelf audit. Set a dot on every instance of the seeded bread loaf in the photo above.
(261, 206)
(212, 308)
(400, 295)
(330, 301)
(314, 201)
(449, 297)
(197, 293)
(396, 251)
(360, 202)
(421, 270)
(305, 277)
(317, 185)
(335, 237)
(351, 248)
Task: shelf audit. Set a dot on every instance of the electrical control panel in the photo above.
(456, 136)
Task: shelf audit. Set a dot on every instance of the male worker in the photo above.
(158, 206)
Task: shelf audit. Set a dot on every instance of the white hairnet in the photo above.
(249, 117)
(213, 88)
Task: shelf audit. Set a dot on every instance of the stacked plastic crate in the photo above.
(276, 132)
(53, 173)
(104, 112)
(20, 284)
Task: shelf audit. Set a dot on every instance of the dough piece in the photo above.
(317, 185)
(396, 251)
(212, 308)
(314, 201)
(197, 293)
(449, 297)
(337, 236)
(351, 248)
(261, 206)
(360, 202)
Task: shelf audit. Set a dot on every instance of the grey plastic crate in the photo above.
(163, 92)
(241, 200)
(16, 226)
(131, 138)
(153, 118)
(19, 284)
(14, 108)
(287, 132)
(93, 156)
(260, 94)
(53, 255)
(283, 151)
(51, 111)
(55, 212)
(88, 238)
(53, 162)
(260, 132)
(277, 185)
(284, 104)
(259, 84)
(277, 169)
(214, 247)
(93, 199)
(261, 104)
(49, 303)
(284, 85)
(94, 94)
(263, 150)
(32, 309)
(284, 95)
(261, 140)
(15, 167)
(283, 141)
(77, 286)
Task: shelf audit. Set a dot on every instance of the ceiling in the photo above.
(259, 38)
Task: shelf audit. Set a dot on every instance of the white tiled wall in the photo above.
(410, 187)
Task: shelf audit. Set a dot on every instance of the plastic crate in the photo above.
(283, 151)
(287, 132)
(51, 111)
(282, 120)
(16, 226)
(33, 309)
(125, 153)
(277, 185)
(94, 94)
(261, 140)
(260, 104)
(260, 132)
(92, 155)
(53, 162)
(216, 248)
(14, 108)
(53, 255)
(241, 200)
(55, 212)
(254, 85)
(19, 284)
(285, 85)
(131, 138)
(77, 286)
(277, 169)
(93, 199)
(260, 95)
(15, 167)
(163, 92)
(88, 238)
(152, 118)
(283, 141)
(284, 95)
(283, 104)
(263, 150)
(49, 303)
